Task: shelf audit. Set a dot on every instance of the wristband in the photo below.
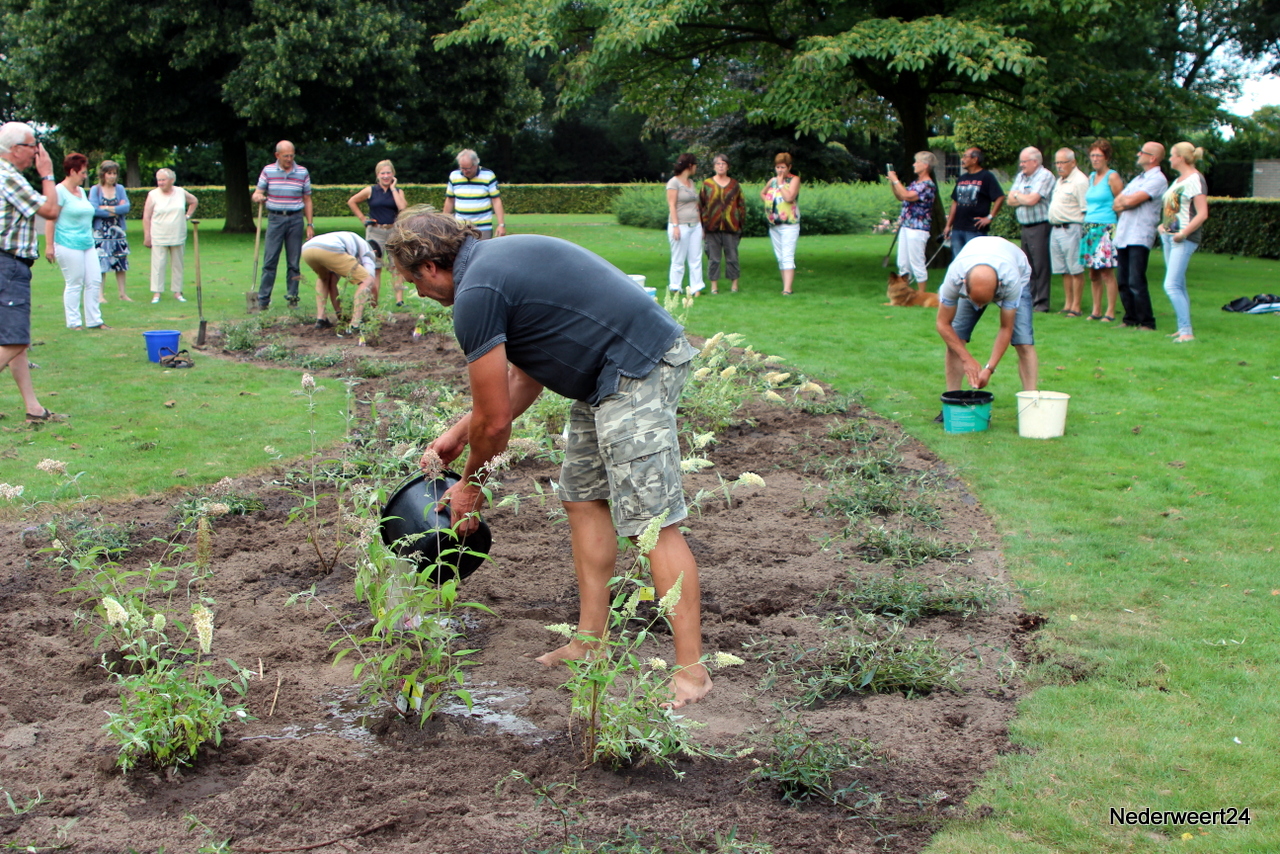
(987, 367)
(46, 178)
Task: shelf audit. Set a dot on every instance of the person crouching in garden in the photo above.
(341, 255)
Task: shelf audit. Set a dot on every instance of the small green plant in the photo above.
(413, 650)
(274, 351)
(31, 803)
(219, 500)
(805, 769)
(620, 696)
(909, 599)
(172, 702)
(907, 549)
(316, 361)
(243, 335)
(75, 538)
(864, 655)
(375, 368)
(327, 540)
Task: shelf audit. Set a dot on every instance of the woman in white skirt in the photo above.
(916, 218)
(782, 208)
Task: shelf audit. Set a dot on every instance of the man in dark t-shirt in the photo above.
(534, 312)
(975, 201)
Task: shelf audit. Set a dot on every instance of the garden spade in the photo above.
(251, 298)
(195, 237)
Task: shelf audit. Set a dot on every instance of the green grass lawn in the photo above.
(1145, 535)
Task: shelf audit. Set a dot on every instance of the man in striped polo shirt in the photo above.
(286, 188)
(472, 195)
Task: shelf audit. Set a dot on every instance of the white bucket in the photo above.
(639, 280)
(1042, 414)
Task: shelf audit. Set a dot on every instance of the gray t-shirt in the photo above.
(569, 318)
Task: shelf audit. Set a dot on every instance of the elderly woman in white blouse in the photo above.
(164, 230)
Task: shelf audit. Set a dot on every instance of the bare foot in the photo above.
(572, 651)
(689, 684)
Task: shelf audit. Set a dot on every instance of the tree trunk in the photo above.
(235, 171)
(132, 170)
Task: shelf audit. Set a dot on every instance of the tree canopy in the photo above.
(1069, 67)
(116, 75)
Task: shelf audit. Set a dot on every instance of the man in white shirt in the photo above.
(987, 270)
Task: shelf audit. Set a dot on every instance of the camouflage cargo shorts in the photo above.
(625, 449)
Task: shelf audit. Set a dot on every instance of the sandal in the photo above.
(42, 418)
(1094, 317)
(180, 359)
(1107, 318)
(1072, 313)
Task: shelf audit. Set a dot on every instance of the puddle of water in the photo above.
(348, 717)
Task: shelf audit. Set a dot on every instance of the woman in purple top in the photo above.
(917, 215)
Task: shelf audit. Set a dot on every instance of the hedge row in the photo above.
(517, 198)
(1249, 227)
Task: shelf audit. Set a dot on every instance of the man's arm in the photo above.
(306, 213)
(499, 218)
(1127, 201)
(951, 215)
(972, 370)
(500, 393)
(1003, 336)
(260, 191)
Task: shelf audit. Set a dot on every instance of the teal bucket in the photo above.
(162, 342)
(966, 411)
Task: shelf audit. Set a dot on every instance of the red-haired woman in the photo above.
(781, 208)
(69, 244)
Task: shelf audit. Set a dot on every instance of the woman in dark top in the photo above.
(386, 200)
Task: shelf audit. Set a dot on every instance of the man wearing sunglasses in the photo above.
(1139, 211)
(19, 248)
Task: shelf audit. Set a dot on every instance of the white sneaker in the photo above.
(179, 297)
(155, 299)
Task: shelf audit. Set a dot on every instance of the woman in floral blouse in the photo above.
(917, 215)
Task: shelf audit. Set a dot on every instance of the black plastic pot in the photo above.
(411, 511)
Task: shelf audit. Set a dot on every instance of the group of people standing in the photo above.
(709, 216)
(1072, 223)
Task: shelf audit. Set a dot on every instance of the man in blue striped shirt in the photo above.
(472, 195)
(285, 186)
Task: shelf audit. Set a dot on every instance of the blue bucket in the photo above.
(162, 342)
(966, 411)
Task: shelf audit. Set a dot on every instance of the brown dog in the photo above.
(900, 292)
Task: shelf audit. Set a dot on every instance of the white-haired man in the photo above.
(19, 248)
(472, 195)
(1029, 198)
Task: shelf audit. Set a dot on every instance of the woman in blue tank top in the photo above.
(1097, 252)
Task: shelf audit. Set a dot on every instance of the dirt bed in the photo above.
(313, 768)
